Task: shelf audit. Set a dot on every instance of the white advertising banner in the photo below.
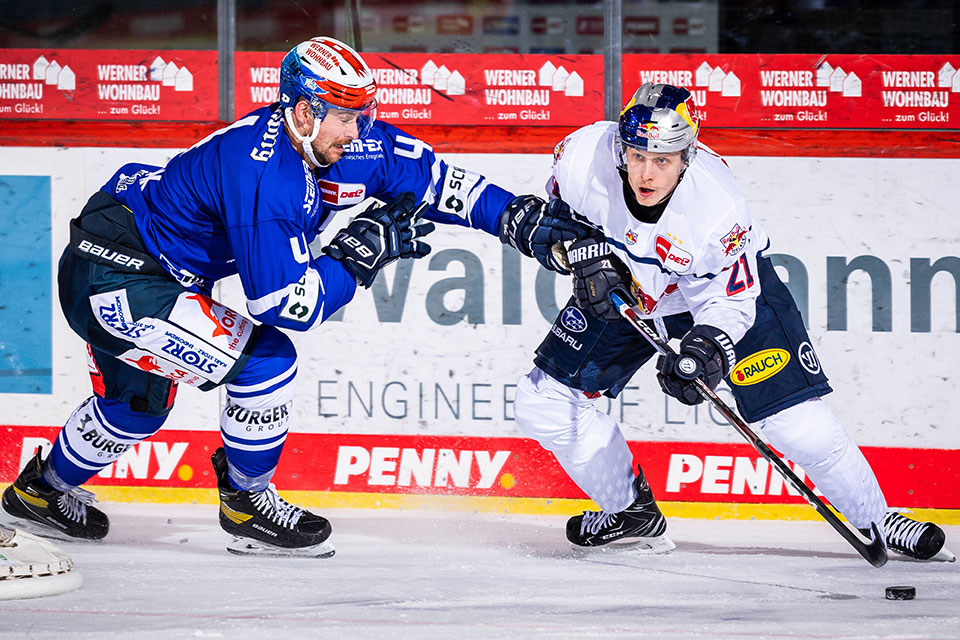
(869, 247)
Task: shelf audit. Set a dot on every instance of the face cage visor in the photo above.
(620, 151)
(366, 115)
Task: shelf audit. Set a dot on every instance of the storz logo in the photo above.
(573, 320)
(191, 355)
(112, 315)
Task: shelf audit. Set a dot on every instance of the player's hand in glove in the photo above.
(596, 273)
(378, 236)
(532, 227)
(705, 352)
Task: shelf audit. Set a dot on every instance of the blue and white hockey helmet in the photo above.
(660, 118)
(329, 75)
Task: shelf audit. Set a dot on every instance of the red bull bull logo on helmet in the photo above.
(648, 130)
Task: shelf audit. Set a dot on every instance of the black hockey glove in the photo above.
(705, 352)
(597, 272)
(378, 236)
(532, 227)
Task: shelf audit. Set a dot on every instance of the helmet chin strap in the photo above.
(305, 141)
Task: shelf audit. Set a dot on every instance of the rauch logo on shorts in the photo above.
(759, 366)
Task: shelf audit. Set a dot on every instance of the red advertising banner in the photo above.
(457, 89)
(768, 91)
(500, 467)
(108, 84)
(810, 91)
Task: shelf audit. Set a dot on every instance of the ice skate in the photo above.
(640, 527)
(37, 507)
(263, 523)
(914, 539)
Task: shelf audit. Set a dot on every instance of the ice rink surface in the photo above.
(163, 572)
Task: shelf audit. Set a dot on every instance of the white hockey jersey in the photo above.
(700, 256)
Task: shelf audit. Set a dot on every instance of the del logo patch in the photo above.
(342, 193)
(672, 256)
(759, 366)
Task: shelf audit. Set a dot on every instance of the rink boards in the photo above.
(407, 395)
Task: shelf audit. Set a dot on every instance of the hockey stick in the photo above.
(874, 552)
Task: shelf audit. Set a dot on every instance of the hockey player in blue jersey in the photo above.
(248, 199)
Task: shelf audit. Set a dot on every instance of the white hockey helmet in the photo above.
(660, 118)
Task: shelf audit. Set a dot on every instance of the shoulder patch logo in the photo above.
(631, 237)
(558, 150)
(735, 240)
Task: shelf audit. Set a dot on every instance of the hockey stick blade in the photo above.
(873, 551)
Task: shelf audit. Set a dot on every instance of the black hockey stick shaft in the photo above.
(873, 552)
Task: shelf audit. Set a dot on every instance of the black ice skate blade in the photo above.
(251, 547)
(42, 529)
(944, 555)
(655, 546)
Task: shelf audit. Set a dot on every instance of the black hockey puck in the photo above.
(901, 593)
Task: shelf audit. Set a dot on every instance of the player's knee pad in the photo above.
(587, 443)
(559, 417)
(258, 405)
(811, 435)
(97, 433)
(808, 433)
(544, 409)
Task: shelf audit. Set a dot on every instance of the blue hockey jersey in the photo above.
(242, 200)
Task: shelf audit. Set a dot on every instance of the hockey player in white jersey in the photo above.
(674, 233)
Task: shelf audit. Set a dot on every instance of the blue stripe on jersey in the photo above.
(139, 425)
(266, 443)
(235, 393)
(657, 263)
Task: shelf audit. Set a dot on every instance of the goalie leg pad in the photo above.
(587, 443)
(810, 435)
(31, 567)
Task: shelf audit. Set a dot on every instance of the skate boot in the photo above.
(46, 511)
(641, 525)
(914, 539)
(263, 523)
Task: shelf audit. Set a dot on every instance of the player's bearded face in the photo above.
(337, 130)
(653, 176)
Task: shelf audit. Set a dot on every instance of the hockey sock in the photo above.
(97, 433)
(810, 435)
(254, 420)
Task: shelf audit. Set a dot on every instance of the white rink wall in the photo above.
(438, 353)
